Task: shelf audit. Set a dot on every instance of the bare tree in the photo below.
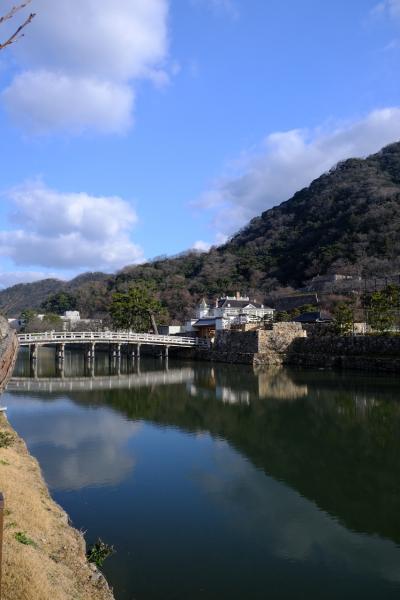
(18, 33)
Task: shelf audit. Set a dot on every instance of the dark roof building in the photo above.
(314, 317)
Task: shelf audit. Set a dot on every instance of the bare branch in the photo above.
(17, 34)
(14, 11)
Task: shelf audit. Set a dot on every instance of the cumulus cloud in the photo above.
(288, 161)
(68, 231)
(75, 103)
(81, 60)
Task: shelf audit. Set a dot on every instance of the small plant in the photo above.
(22, 538)
(99, 552)
(4, 463)
(6, 439)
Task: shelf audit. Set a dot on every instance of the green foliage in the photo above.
(59, 303)
(50, 322)
(6, 439)
(282, 317)
(22, 538)
(380, 313)
(28, 315)
(133, 309)
(99, 552)
(343, 318)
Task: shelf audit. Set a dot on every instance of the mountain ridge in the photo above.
(347, 220)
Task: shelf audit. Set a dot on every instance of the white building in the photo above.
(71, 315)
(228, 311)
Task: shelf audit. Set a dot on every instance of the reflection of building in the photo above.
(227, 312)
(276, 384)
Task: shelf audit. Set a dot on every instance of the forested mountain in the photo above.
(348, 220)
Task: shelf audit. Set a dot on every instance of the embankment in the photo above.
(291, 345)
(44, 558)
(362, 353)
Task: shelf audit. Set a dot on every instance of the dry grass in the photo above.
(43, 557)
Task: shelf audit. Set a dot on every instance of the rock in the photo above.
(4, 328)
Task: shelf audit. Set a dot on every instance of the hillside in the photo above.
(346, 220)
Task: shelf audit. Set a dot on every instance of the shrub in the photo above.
(99, 552)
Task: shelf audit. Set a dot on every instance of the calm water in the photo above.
(213, 482)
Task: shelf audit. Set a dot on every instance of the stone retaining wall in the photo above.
(375, 353)
(262, 347)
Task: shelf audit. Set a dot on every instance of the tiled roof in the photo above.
(224, 303)
(204, 323)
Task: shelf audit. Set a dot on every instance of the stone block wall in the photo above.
(261, 347)
(375, 353)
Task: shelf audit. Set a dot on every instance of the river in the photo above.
(213, 482)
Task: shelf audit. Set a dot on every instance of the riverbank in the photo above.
(43, 556)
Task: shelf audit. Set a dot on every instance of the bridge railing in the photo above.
(110, 336)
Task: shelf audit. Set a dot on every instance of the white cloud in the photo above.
(42, 101)
(81, 60)
(201, 246)
(289, 161)
(73, 232)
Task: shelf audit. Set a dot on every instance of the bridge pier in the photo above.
(60, 352)
(33, 360)
(60, 369)
(115, 350)
(33, 352)
(91, 351)
(131, 352)
(138, 349)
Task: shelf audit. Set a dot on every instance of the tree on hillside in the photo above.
(136, 309)
(380, 312)
(59, 303)
(19, 31)
(50, 322)
(343, 318)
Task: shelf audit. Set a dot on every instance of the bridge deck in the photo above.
(109, 337)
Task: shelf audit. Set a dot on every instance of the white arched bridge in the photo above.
(116, 340)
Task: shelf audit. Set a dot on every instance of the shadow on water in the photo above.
(332, 437)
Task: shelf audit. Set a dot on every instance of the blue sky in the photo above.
(135, 128)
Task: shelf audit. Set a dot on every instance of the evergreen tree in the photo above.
(343, 318)
(135, 308)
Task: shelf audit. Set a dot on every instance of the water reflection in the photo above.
(277, 481)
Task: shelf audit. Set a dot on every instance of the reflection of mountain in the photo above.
(338, 444)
